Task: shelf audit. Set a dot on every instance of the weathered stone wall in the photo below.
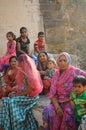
(17, 13)
(65, 27)
(64, 23)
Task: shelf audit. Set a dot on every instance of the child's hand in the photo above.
(46, 77)
(43, 72)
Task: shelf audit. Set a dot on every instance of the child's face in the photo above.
(24, 33)
(50, 65)
(9, 37)
(79, 88)
(41, 37)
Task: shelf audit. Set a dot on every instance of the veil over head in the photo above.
(66, 55)
(31, 73)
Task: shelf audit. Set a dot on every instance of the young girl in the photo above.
(23, 42)
(11, 50)
(78, 98)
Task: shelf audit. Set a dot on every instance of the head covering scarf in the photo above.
(31, 74)
(66, 55)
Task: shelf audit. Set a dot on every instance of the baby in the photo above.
(51, 67)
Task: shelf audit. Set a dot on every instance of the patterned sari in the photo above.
(61, 88)
(16, 113)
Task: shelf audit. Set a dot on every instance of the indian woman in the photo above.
(58, 115)
(16, 111)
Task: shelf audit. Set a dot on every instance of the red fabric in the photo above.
(40, 45)
(10, 80)
(1, 93)
(46, 85)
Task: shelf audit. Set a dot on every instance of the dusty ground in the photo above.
(37, 110)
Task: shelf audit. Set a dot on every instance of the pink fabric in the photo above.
(61, 87)
(32, 75)
(11, 51)
(62, 84)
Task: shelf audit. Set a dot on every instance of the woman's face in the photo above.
(63, 64)
(21, 64)
(13, 63)
(42, 57)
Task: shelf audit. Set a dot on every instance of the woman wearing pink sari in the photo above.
(58, 115)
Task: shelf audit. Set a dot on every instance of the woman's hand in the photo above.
(59, 111)
(57, 107)
(14, 89)
(12, 94)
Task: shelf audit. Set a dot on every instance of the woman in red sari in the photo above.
(10, 78)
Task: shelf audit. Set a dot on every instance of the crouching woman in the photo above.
(16, 113)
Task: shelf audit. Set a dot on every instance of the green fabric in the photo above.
(50, 73)
(80, 104)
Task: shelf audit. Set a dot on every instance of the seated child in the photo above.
(11, 50)
(39, 45)
(78, 98)
(49, 74)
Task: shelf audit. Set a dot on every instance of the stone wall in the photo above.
(64, 23)
(65, 27)
(17, 13)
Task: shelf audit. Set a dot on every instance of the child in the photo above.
(11, 50)
(49, 73)
(23, 42)
(78, 98)
(39, 45)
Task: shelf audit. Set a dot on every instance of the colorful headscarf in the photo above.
(66, 55)
(31, 73)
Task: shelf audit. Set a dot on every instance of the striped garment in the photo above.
(16, 113)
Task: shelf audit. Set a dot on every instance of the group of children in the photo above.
(78, 95)
(20, 45)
